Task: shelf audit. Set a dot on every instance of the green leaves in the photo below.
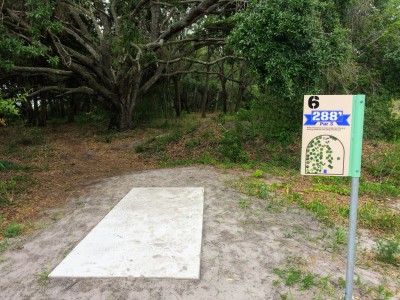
(7, 106)
(290, 42)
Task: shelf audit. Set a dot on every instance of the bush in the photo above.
(231, 148)
(380, 122)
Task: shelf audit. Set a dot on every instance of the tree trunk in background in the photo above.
(185, 101)
(177, 98)
(121, 117)
(30, 113)
(196, 106)
(61, 104)
(43, 110)
(241, 88)
(205, 94)
(232, 90)
(86, 106)
(71, 110)
(223, 79)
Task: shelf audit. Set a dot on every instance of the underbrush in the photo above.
(233, 141)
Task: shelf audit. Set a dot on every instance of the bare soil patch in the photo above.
(242, 246)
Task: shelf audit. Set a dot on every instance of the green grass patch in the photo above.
(3, 245)
(388, 251)
(243, 203)
(258, 174)
(342, 187)
(13, 230)
(231, 148)
(295, 274)
(333, 188)
(44, 276)
(374, 216)
(158, 144)
(256, 188)
(385, 165)
(340, 236)
(6, 165)
(12, 187)
(319, 208)
(370, 215)
(378, 189)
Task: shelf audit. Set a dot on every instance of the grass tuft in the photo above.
(13, 230)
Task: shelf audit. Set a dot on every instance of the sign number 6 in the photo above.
(313, 102)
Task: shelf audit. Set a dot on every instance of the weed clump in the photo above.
(388, 251)
(13, 230)
(231, 148)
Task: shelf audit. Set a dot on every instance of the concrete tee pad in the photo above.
(151, 232)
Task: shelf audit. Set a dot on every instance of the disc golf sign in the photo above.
(331, 146)
(332, 135)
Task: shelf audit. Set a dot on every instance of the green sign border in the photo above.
(357, 126)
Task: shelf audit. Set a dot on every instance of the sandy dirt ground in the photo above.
(241, 247)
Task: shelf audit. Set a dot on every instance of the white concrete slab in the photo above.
(151, 232)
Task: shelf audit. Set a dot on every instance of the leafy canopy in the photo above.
(290, 43)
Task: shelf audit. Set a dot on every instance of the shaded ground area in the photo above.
(248, 251)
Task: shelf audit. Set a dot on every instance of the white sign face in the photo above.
(326, 135)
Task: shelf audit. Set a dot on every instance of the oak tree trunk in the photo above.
(205, 94)
(177, 98)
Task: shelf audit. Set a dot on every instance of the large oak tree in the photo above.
(112, 49)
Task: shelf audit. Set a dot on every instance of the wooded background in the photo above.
(140, 59)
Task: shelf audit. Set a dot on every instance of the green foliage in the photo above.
(8, 107)
(193, 143)
(388, 251)
(243, 203)
(10, 188)
(3, 245)
(231, 147)
(378, 189)
(13, 230)
(374, 216)
(340, 236)
(293, 274)
(7, 189)
(380, 122)
(44, 276)
(258, 174)
(303, 47)
(385, 165)
(16, 48)
(206, 159)
(290, 44)
(6, 165)
(334, 188)
(157, 144)
(290, 276)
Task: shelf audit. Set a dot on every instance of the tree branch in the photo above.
(42, 71)
(198, 72)
(193, 15)
(66, 91)
(205, 63)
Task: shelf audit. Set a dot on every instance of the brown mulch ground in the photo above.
(64, 165)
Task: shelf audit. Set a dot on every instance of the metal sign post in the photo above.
(332, 146)
(351, 241)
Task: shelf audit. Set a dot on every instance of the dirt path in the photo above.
(241, 248)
